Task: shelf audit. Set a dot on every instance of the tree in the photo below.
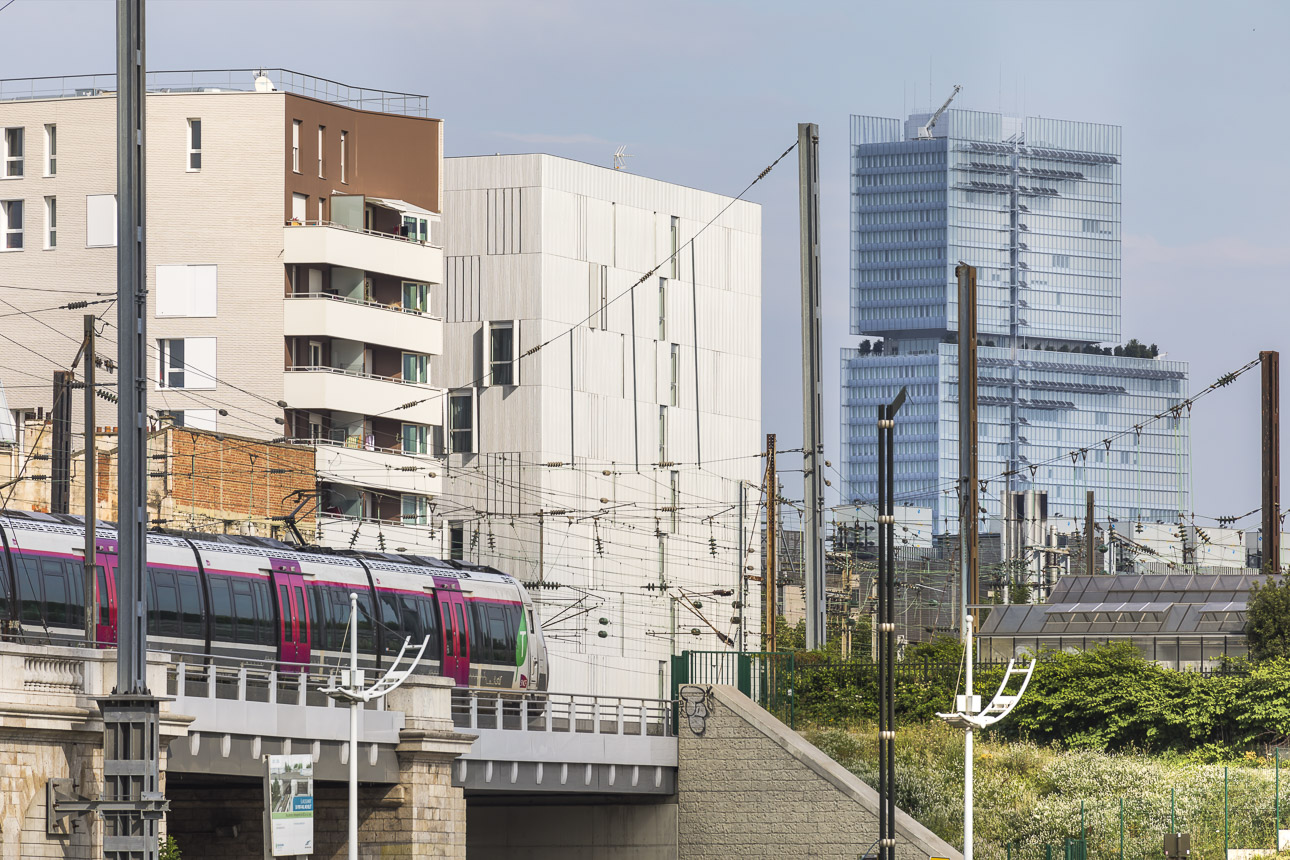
(865, 347)
(1267, 620)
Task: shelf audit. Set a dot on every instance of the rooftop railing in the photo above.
(222, 80)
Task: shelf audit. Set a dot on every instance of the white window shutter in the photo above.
(486, 375)
(203, 286)
(172, 291)
(100, 220)
(445, 423)
(199, 362)
(474, 421)
(200, 419)
(516, 352)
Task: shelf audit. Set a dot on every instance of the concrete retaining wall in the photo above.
(751, 787)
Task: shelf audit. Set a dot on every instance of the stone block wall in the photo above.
(750, 787)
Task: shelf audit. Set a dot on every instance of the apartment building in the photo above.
(293, 257)
(604, 429)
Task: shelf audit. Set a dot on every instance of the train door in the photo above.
(456, 634)
(294, 637)
(105, 558)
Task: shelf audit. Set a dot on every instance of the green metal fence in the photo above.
(766, 677)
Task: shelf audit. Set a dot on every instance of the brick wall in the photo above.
(750, 787)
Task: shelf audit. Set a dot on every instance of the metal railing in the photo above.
(367, 303)
(305, 222)
(253, 681)
(222, 80)
(322, 368)
(479, 708)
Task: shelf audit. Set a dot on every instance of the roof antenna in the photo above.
(620, 157)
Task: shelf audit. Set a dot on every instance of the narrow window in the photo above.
(461, 422)
(456, 544)
(295, 145)
(662, 434)
(322, 204)
(194, 145)
(51, 222)
(416, 367)
(315, 353)
(676, 247)
(344, 142)
(414, 510)
(172, 363)
(675, 393)
(675, 501)
(299, 208)
(11, 224)
(51, 150)
(662, 308)
(501, 353)
(416, 439)
(13, 138)
(322, 141)
(416, 297)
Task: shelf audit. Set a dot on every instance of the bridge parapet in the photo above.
(554, 742)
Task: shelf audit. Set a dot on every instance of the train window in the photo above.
(29, 589)
(430, 627)
(163, 614)
(243, 610)
(305, 634)
(190, 602)
(264, 631)
(390, 621)
(4, 579)
(481, 650)
(498, 631)
(461, 621)
(105, 605)
(366, 625)
(55, 582)
(319, 625)
(221, 608)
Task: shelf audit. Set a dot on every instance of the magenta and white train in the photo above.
(256, 598)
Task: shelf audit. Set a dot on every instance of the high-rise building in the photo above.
(604, 408)
(293, 263)
(1034, 204)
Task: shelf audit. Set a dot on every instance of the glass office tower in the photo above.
(1034, 204)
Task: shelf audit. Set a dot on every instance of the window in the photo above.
(662, 308)
(197, 419)
(414, 510)
(322, 145)
(315, 357)
(676, 246)
(13, 152)
(461, 422)
(416, 297)
(186, 291)
(416, 367)
(416, 438)
(662, 434)
(100, 220)
(194, 144)
(51, 150)
(503, 353)
(456, 541)
(11, 224)
(1061, 261)
(675, 393)
(299, 208)
(598, 289)
(51, 222)
(186, 363)
(675, 501)
(295, 145)
(344, 142)
(322, 209)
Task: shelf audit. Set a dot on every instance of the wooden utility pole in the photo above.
(1089, 549)
(1271, 362)
(772, 512)
(91, 515)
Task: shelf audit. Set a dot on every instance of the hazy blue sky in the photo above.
(707, 93)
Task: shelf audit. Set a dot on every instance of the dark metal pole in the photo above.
(1271, 461)
(1090, 550)
(91, 489)
(813, 558)
(882, 635)
(887, 626)
(968, 504)
(772, 559)
(60, 471)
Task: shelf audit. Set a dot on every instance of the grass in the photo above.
(1029, 797)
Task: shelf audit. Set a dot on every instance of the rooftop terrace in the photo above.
(220, 81)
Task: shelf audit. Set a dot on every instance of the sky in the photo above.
(707, 93)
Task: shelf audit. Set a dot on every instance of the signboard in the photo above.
(289, 795)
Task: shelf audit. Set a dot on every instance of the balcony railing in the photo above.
(321, 368)
(365, 303)
(435, 240)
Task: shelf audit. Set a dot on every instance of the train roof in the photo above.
(376, 560)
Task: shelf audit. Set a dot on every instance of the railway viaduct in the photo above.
(444, 772)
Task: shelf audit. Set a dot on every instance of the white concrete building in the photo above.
(293, 257)
(604, 418)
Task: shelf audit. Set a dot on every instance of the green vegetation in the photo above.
(169, 850)
(1031, 796)
(1267, 620)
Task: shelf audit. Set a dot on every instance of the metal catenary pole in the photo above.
(91, 489)
(886, 588)
(882, 636)
(772, 511)
(355, 682)
(1271, 401)
(813, 557)
(968, 503)
(1090, 550)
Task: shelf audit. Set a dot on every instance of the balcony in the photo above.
(326, 315)
(318, 388)
(378, 469)
(330, 243)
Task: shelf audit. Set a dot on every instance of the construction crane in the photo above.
(925, 133)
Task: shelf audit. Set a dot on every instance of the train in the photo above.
(250, 598)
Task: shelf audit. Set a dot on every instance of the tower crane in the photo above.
(925, 133)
